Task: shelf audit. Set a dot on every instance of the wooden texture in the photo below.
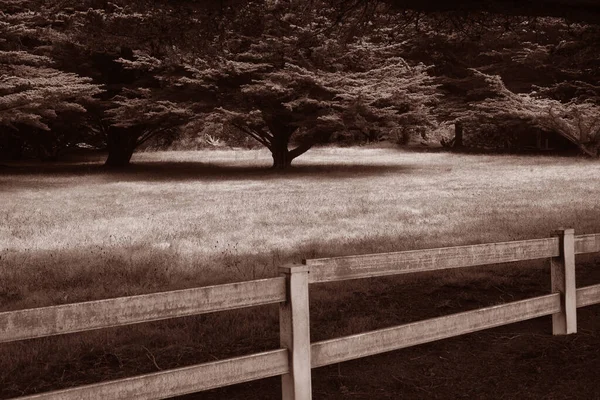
(294, 328)
(166, 384)
(371, 265)
(375, 342)
(55, 320)
(587, 244)
(296, 357)
(563, 281)
(586, 296)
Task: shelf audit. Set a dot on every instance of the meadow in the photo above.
(74, 231)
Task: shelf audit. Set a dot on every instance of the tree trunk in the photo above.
(11, 147)
(121, 145)
(458, 135)
(282, 157)
(118, 157)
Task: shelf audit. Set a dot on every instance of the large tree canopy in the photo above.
(34, 91)
(290, 74)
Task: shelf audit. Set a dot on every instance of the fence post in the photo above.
(562, 272)
(294, 331)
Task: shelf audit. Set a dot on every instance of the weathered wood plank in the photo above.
(56, 320)
(562, 275)
(365, 344)
(294, 334)
(587, 244)
(175, 382)
(588, 295)
(371, 265)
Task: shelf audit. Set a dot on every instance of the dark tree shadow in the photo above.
(189, 171)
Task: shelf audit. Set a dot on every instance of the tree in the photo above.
(135, 119)
(33, 92)
(292, 79)
(277, 103)
(547, 57)
(128, 47)
(579, 123)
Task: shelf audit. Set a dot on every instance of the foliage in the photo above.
(283, 73)
(579, 123)
(34, 93)
(291, 79)
(545, 58)
(141, 109)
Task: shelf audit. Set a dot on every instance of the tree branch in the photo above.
(301, 149)
(254, 135)
(147, 135)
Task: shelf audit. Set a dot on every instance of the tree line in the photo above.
(288, 75)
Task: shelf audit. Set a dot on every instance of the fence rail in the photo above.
(297, 355)
(404, 262)
(588, 295)
(587, 244)
(180, 381)
(77, 317)
(383, 340)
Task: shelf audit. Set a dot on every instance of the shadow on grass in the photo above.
(184, 171)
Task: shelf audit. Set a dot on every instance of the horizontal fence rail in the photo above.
(372, 265)
(589, 295)
(587, 244)
(380, 341)
(297, 355)
(68, 318)
(175, 382)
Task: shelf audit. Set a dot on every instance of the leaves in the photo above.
(147, 111)
(577, 122)
(271, 89)
(33, 91)
(32, 94)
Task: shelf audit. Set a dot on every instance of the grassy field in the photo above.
(189, 218)
(73, 232)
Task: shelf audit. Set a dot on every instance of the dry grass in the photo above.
(75, 231)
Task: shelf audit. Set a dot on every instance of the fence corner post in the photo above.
(294, 331)
(562, 272)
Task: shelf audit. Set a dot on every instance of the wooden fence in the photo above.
(296, 356)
